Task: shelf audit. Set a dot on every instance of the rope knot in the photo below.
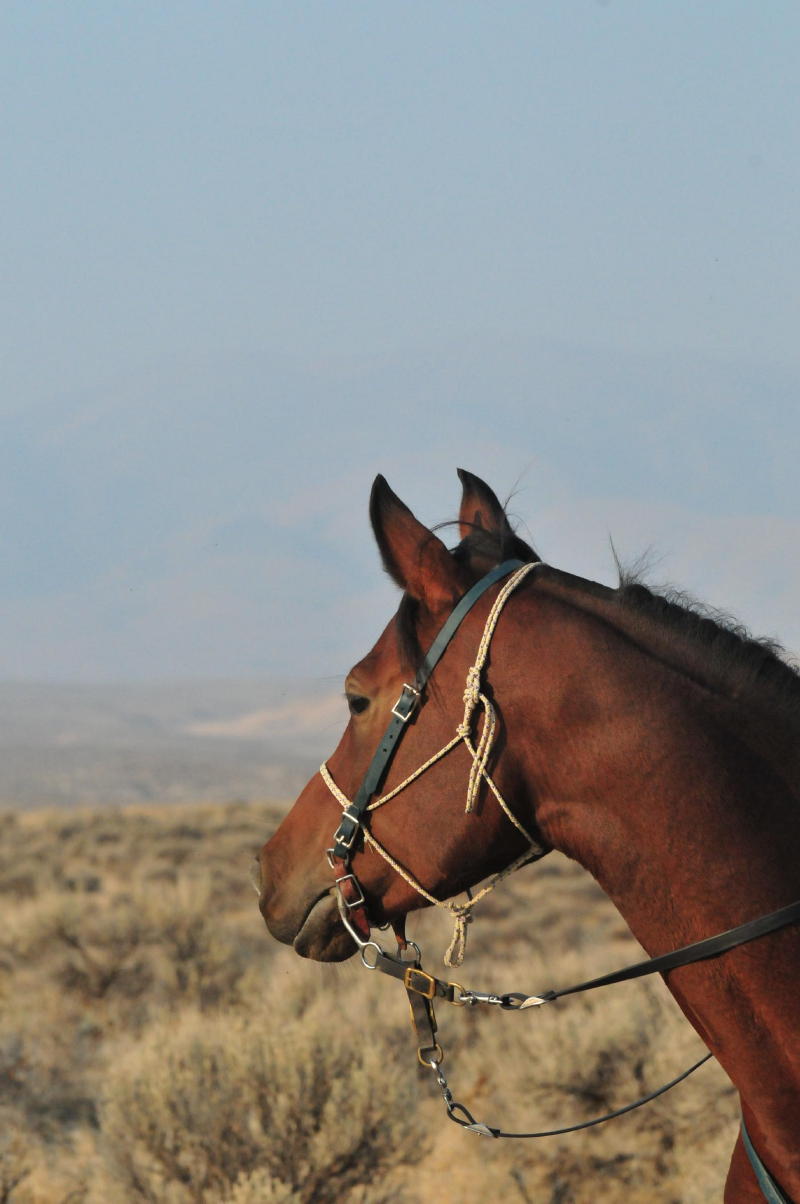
(472, 696)
(457, 948)
(472, 686)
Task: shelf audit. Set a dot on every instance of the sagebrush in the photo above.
(157, 1045)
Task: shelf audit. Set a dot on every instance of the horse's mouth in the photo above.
(322, 937)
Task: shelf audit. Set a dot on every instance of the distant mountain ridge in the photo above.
(71, 745)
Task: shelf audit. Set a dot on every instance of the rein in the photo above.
(423, 988)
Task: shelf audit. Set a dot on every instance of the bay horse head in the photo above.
(652, 743)
(431, 839)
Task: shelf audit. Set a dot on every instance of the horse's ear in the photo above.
(480, 509)
(413, 556)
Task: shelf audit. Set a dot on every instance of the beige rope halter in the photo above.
(480, 751)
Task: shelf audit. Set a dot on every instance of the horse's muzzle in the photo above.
(308, 920)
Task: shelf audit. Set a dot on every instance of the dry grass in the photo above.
(156, 1045)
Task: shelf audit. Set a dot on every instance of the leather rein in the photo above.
(422, 987)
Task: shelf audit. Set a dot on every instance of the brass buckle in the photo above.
(420, 982)
(458, 991)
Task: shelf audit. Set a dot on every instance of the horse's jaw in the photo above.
(322, 936)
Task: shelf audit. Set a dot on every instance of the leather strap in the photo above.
(352, 896)
(416, 980)
(467, 1120)
(352, 817)
(772, 1191)
(712, 946)
(423, 1021)
(458, 614)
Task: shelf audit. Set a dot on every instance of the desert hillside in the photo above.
(156, 1045)
(198, 741)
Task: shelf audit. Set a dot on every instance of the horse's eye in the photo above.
(357, 703)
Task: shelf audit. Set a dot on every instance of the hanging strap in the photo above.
(422, 989)
(773, 1192)
(462, 1116)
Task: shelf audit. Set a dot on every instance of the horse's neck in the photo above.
(686, 828)
(759, 723)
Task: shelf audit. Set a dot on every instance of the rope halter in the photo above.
(480, 751)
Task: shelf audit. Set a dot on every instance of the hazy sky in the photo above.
(255, 253)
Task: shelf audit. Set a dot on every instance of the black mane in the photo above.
(745, 661)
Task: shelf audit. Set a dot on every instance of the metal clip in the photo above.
(470, 998)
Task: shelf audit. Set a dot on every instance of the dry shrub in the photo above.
(196, 955)
(15, 1157)
(89, 945)
(222, 1109)
(44, 1055)
(261, 1188)
(132, 993)
(168, 943)
(105, 943)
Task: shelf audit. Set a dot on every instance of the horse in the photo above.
(650, 740)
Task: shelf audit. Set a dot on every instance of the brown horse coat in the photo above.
(654, 746)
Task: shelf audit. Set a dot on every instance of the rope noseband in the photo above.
(355, 812)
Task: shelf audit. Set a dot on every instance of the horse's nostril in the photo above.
(255, 875)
